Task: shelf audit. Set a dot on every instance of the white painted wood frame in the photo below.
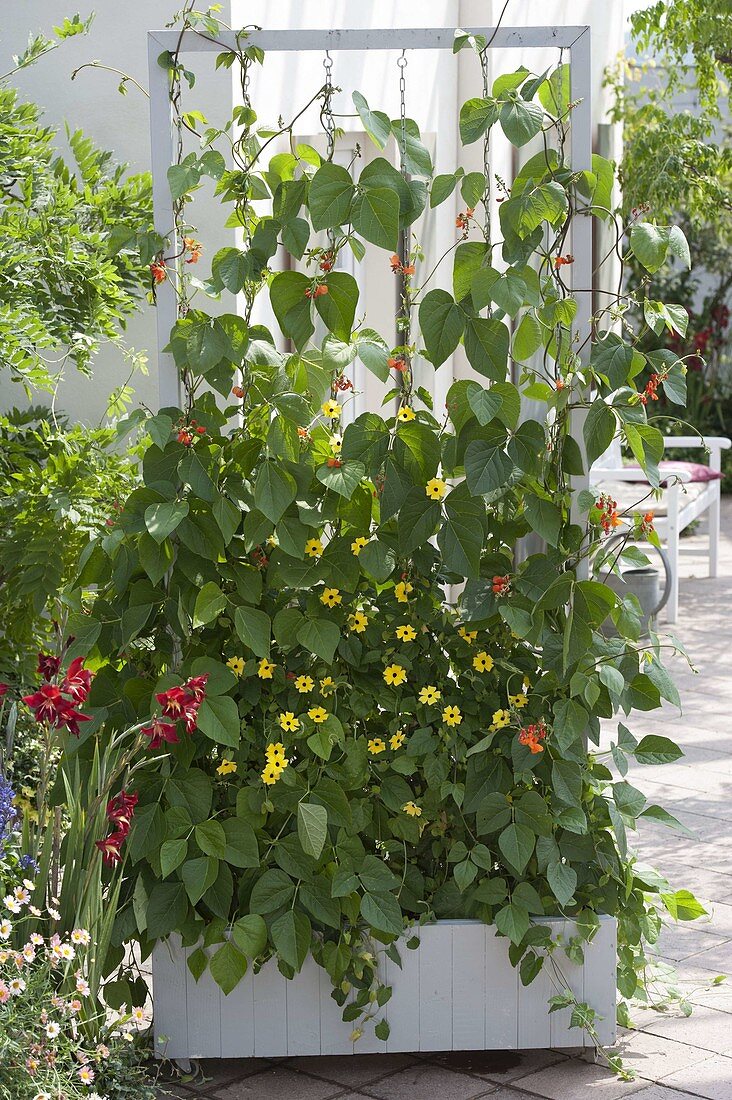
(456, 991)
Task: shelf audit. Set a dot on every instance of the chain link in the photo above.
(402, 63)
(486, 151)
(327, 111)
(404, 326)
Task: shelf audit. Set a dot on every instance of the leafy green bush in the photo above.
(69, 271)
(59, 486)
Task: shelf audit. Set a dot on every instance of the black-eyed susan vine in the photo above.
(366, 755)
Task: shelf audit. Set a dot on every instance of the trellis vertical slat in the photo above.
(580, 134)
(162, 151)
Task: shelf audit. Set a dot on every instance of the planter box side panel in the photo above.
(456, 991)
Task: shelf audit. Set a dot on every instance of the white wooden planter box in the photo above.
(456, 991)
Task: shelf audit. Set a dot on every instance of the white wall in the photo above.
(437, 82)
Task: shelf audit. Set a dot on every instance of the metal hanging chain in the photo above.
(326, 114)
(245, 81)
(486, 151)
(328, 123)
(404, 321)
(402, 63)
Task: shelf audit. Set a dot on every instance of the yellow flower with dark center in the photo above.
(467, 635)
(412, 809)
(236, 664)
(436, 488)
(331, 409)
(226, 767)
(331, 597)
(265, 670)
(429, 695)
(376, 745)
(271, 774)
(406, 414)
(397, 740)
(318, 714)
(501, 718)
(395, 675)
(402, 590)
(303, 684)
(452, 716)
(275, 753)
(336, 444)
(358, 544)
(357, 622)
(289, 722)
(406, 633)
(313, 548)
(519, 700)
(482, 662)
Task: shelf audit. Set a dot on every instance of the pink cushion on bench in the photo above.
(697, 470)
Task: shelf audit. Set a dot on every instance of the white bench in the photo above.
(685, 497)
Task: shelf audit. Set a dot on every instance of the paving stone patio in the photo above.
(673, 1056)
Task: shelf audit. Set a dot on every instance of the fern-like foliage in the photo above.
(70, 273)
(58, 486)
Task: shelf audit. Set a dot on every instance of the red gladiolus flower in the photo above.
(190, 717)
(185, 437)
(174, 701)
(48, 704)
(159, 731)
(501, 585)
(48, 666)
(110, 848)
(121, 810)
(77, 681)
(197, 687)
(71, 719)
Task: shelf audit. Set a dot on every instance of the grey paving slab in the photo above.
(431, 1082)
(352, 1070)
(574, 1078)
(503, 1066)
(654, 1056)
(661, 1092)
(705, 1029)
(279, 1083)
(712, 1079)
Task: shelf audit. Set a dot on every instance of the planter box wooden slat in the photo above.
(456, 991)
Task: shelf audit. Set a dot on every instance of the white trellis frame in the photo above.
(575, 40)
(298, 1017)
